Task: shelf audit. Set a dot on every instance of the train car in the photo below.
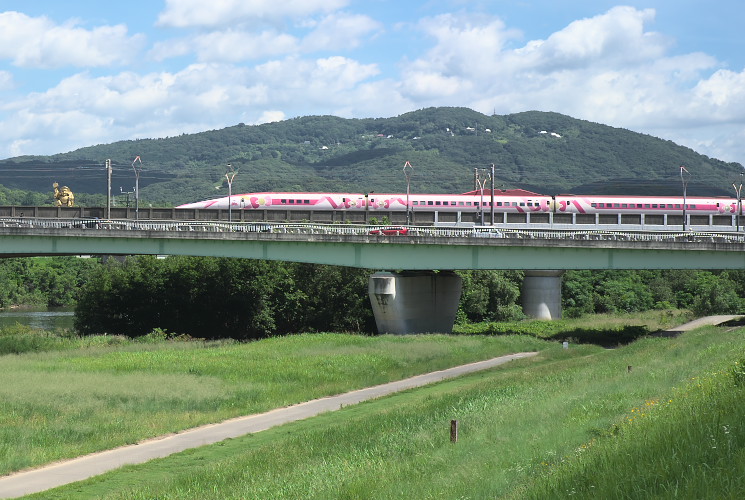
(644, 205)
(512, 201)
(523, 201)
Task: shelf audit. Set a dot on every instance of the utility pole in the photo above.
(738, 192)
(684, 179)
(230, 175)
(108, 197)
(492, 194)
(408, 171)
(137, 186)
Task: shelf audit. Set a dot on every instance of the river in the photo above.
(44, 318)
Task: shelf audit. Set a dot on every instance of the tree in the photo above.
(716, 295)
(490, 295)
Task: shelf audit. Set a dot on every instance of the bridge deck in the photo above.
(482, 247)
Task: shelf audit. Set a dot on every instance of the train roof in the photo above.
(503, 192)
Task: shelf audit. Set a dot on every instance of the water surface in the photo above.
(44, 318)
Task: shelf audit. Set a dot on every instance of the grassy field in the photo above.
(64, 403)
(567, 423)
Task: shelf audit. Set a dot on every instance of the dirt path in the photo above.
(58, 474)
(705, 321)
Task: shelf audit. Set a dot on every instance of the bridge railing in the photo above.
(376, 231)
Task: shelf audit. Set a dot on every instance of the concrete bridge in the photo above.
(415, 300)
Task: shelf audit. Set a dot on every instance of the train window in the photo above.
(468, 203)
(617, 205)
(693, 207)
(639, 205)
(677, 205)
(669, 205)
(292, 202)
(438, 203)
(306, 202)
(654, 205)
(283, 201)
(460, 203)
(499, 203)
(430, 203)
(594, 205)
(624, 205)
(452, 203)
(646, 205)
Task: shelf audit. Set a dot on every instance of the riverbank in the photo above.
(521, 426)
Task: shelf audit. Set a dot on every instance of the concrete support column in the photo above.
(542, 294)
(415, 301)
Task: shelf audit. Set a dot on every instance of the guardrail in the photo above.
(374, 231)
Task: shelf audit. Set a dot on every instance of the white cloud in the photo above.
(237, 46)
(608, 68)
(724, 95)
(251, 68)
(188, 13)
(616, 38)
(6, 80)
(39, 43)
(83, 110)
(170, 48)
(16, 148)
(339, 31)
(334, 32)
(270, 116)
(466, 45)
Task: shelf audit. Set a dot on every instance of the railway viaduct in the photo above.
(417, 299)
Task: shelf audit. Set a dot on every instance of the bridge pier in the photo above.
(415, 301)
(541, 294)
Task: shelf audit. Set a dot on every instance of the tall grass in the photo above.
(546, 427)
(689, 445)
(596, 328)
(65, 403)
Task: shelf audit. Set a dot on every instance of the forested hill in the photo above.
(544, 152)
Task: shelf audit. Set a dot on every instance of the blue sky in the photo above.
(85, 72)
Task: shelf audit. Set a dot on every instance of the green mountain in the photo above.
(543, 152)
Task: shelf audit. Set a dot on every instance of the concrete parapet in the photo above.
(415, 301)
(541, 294)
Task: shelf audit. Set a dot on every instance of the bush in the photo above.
(716, 295)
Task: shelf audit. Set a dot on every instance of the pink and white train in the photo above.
(510, 201)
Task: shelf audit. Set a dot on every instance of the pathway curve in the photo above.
(705, 321)
(51, 476)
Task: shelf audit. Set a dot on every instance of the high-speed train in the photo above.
(510, 201)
